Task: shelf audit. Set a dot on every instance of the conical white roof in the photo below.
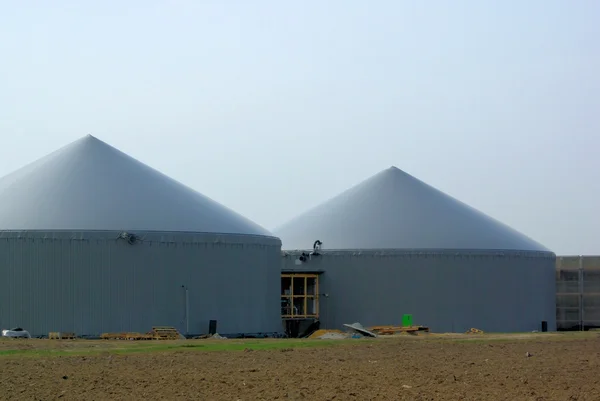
(91, 186)
(394, 210)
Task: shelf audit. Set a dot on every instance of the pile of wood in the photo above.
(60, 335)
(391, 330)
(126, 336)
(157, 333)
(165, 333)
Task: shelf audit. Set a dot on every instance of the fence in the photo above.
(577, 292)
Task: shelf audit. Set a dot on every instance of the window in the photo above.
(299, 296)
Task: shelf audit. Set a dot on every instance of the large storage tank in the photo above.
(93, 241)
(393, 245)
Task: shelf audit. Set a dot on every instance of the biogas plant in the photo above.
(393, 245)
(92, 241)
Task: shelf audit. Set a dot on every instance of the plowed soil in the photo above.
(404, 368)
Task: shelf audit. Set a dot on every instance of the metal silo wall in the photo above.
(448, 292)
(91, 283)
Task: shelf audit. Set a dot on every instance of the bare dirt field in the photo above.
(431, 367)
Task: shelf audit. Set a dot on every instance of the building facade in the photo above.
(578, 292)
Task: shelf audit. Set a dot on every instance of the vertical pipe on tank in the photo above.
(187, 310)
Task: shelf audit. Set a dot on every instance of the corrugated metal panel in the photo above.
(394, 210)
(449, 292)
(89, 185)
(54, 282)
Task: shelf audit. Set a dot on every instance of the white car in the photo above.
(16, 333)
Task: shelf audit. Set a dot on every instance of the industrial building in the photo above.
(578, 292)
(393, 245)
(93, 241)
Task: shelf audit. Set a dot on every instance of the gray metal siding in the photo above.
(448, 292)
(58, 282)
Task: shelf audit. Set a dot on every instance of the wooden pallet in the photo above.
(165, 333)
(390, 330)
(59, 335)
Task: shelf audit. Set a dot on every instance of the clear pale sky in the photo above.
(271, 107)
